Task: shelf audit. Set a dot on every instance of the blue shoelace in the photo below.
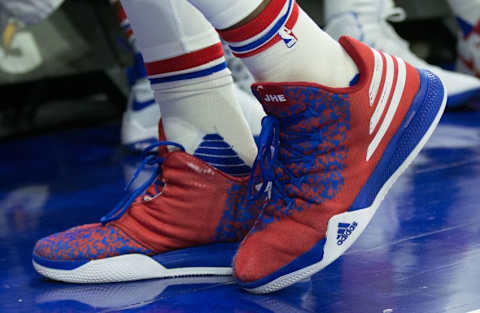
(150, 158)
(271, 170)
(266, 163)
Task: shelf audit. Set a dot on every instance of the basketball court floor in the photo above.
(421, 253)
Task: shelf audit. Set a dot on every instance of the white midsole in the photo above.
(127, 267)
(362, 217)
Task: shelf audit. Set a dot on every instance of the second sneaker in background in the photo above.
(368, 21)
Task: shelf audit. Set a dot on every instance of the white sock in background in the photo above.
(468, 10)
(125, 23)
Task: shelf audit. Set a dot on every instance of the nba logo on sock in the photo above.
(288, 37)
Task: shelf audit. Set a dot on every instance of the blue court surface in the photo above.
(420, 254)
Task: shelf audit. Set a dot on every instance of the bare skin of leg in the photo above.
(252, 15)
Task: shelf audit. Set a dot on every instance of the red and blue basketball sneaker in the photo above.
(327, 158)
(185, 220)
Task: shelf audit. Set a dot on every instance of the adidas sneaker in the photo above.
(185, 220)
(327, 158)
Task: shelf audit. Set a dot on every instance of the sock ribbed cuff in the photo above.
(271, 26)
(193, 65)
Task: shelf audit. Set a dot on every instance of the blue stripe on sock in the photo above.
(465, 27)
(138, 105)
(262, 40)
(137, 70)
(191, 75)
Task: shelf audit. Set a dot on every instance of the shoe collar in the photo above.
(279, 98)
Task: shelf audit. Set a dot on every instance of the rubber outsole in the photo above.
(208, 260)
(125, 268)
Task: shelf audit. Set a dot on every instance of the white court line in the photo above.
(476, 311)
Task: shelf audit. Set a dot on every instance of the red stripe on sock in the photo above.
(467, 63)
(255, 26)
(476, 29)
(185, 61)
(121, 15)
(129, 33)
(292, 20)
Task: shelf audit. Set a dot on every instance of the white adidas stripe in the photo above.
(377, 77)
(387, 88)
(394, 103)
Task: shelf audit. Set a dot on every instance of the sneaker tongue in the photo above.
(279, 100)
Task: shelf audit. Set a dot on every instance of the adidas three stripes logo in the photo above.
(386, 90)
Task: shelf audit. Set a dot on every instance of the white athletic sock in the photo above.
(467, 10)
(282, 43)
(194, 88)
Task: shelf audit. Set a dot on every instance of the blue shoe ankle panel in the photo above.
(219, 154)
